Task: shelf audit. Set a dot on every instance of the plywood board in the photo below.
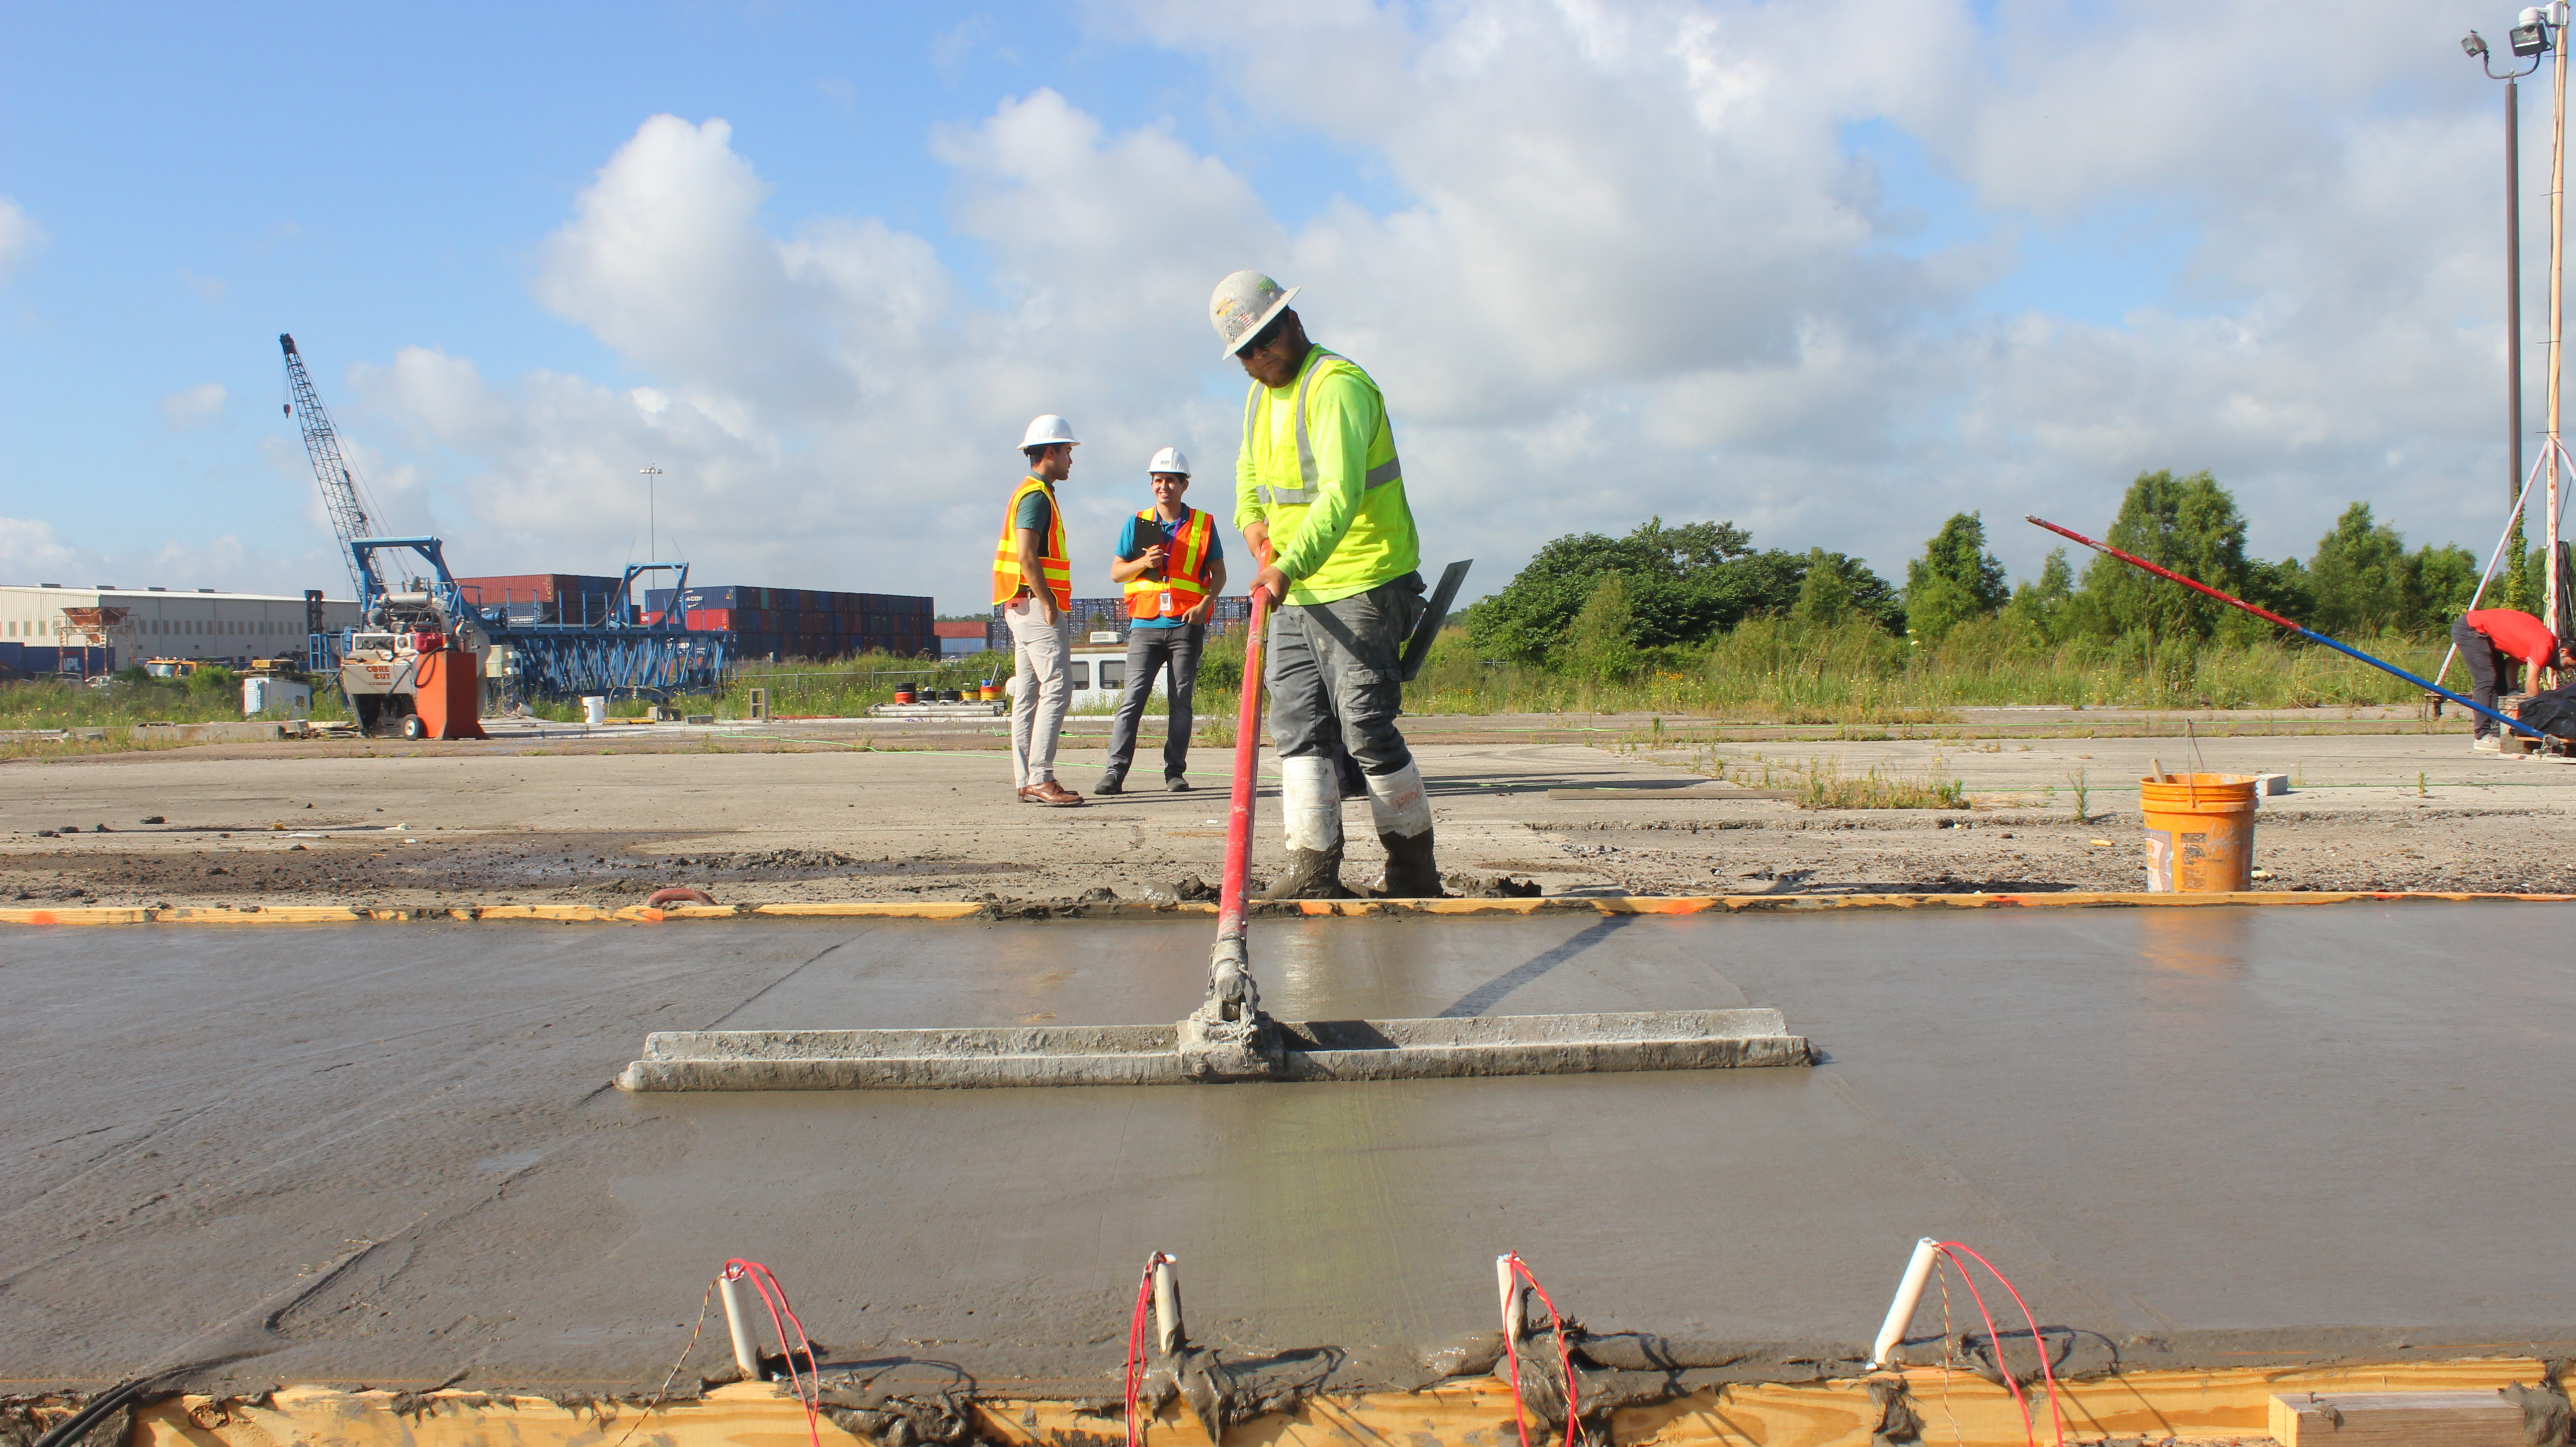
(1954, 1408)
(2396, 1419)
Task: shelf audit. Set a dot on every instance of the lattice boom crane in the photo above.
(339, 488)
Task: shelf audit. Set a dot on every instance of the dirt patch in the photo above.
(2507, 851)
(257, 866)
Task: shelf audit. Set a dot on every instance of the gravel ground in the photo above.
(506, 823)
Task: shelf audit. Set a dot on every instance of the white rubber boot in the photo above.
(1310, 803)
(1402, 812)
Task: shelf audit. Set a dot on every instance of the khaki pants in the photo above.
(1040, 651)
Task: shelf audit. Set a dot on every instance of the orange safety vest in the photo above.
(1053, 565)
(1184, 577)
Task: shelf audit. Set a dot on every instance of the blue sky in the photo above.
(1956, 268)
(379, 178)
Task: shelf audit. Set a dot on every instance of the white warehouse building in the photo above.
(48, 628)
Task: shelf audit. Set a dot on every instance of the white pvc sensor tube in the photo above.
(1167, 1304)
(1909, 1295)
(738, 1313)
(1511, 1290)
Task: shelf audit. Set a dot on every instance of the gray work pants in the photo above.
(2488, 667)
(1041, 651)
(1338, 666)
(1149, 649)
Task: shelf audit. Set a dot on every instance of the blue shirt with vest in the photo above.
(1131, 547)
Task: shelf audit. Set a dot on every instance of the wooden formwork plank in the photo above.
(2396, 1419)
(2233, 1402)
(872, 909)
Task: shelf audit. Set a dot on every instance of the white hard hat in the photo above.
(1046, 431)
(1169, 460)
(1244, 303)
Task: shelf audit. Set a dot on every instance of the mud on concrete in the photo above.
(526, 869)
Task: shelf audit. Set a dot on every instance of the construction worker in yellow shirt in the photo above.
(1319, 497)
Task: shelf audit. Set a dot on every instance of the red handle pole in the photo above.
(1247, 757)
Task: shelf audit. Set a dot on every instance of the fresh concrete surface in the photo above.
(391, 1156)
(540, 823)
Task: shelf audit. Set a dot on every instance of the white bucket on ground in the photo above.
(594, 709)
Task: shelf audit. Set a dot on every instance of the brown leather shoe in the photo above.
(1051, 794)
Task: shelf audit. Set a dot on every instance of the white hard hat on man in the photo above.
(1171, 460)
(1244, 303)
(1046, 431)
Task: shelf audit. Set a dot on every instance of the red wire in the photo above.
(808, 1387)
(2057, 1418)
(1564, 1357)
(1136, 1347)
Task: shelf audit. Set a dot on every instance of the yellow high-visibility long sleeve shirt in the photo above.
(1318, 467)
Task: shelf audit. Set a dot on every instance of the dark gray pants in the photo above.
(1148, 649)
(1337, 666)
(2487, 667)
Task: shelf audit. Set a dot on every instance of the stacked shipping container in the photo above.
(581, 599)
(801, 623)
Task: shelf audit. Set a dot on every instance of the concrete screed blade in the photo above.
(1150, 1054)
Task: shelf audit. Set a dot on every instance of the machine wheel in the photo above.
(413, 728)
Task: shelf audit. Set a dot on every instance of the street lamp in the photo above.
(2529, 40)
(652, 475)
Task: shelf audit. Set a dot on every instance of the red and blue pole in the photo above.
(2268, 616)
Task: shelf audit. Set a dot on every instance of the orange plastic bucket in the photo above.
(2200, 833)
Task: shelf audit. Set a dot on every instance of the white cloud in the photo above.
(29, 548)
(33, 551)
(193, 406)
(20, 237)
(1637, 269)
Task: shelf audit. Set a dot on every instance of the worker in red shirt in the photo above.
(2493, 640)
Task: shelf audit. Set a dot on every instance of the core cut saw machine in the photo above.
(1229, 1038)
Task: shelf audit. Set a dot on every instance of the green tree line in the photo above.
(1603, 606)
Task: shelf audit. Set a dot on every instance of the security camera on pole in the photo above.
(2528, 42)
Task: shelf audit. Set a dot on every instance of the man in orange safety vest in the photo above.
(1171, 565)
(1033, 585)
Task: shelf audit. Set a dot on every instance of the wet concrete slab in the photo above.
(390, 1156)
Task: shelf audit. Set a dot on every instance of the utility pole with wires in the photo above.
(2555, 18)
(2527, 42)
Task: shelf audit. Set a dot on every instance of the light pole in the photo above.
(2529, 40)
(653, 475)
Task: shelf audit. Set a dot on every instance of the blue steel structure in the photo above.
(623, 657)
